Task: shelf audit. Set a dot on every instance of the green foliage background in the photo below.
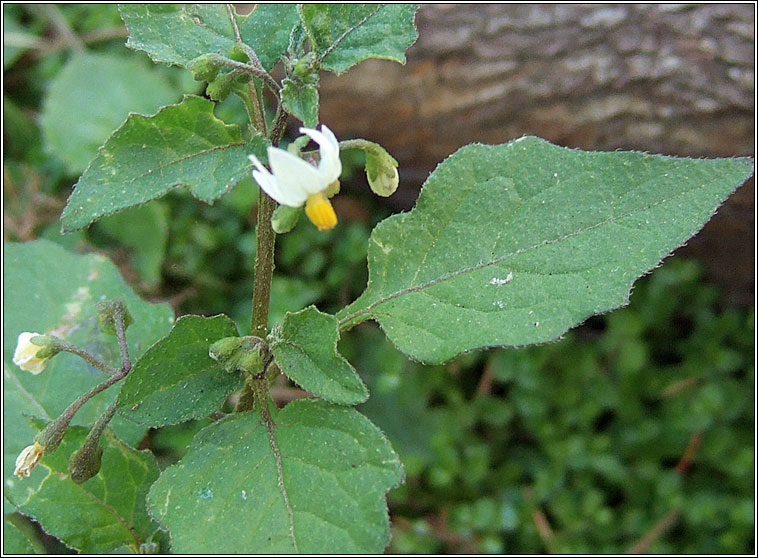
(640, 418)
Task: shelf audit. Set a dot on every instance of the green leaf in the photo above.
(91, 97)
(178, 33)
(267, 30)
(50, 290)
(346, 34)
(301, 100)
(305, 348)
(144, 231)
(176, 380)
(312, 483)
(104, 513)
(182, 145)
(514, 244)
(19, 541)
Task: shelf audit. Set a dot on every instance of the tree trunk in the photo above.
(669, 79)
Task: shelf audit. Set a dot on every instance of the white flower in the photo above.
(27, 460)
(26, 354)
(295, 182)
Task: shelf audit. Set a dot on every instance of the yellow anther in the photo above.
(320, 211)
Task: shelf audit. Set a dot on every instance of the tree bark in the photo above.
(667, 79)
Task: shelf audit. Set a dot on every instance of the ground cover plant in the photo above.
(258, 422)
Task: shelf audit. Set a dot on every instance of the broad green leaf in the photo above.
(176, 380)
(144, 231)
(19, 541)
(104, 513)
(91, 97)
(350, 33)
(305, 348)
(301, 100)
(182, 145)
(513, 244)
(267, 30)
(178, 33)
(312, 483)
(50, 290)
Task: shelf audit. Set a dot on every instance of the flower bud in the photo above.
(223, 349)
(381, 170)
(85, 462)
(27, 460)
(204, 68)
(285, 218)
(239, 354)
(33, 351)
(219, 88)
(305, 67)
(238, 53)
(107, 311)
(251, 361)
(50, 438)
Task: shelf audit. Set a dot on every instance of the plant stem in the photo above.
(126, 364)
(256, 105)
(264, 266)
(69, 348)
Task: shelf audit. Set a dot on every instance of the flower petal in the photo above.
(296, 178)
(270, 185)
(330, 166)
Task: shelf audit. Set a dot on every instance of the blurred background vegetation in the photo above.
(633, 432)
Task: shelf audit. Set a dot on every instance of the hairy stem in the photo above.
(264, 267)
(126, 364)
(69, 348)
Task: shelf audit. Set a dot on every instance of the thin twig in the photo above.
(82, 399)
(544, 529)
(44, 47)
(56, 17)
(256, 70)
(126, 364)
(651, 536)
(94, 361)
(230, 11)
(689, 453)
(485, 382)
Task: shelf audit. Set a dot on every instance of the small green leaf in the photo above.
(99, 515)
(301, 100)
(285, 218)
(514, 244)
(52, 291)
(305, 348)
(182, 145)
(146, 241)
(176, 380)
(350, 33)
(314, 483)
(176, 34)
(91, 97)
